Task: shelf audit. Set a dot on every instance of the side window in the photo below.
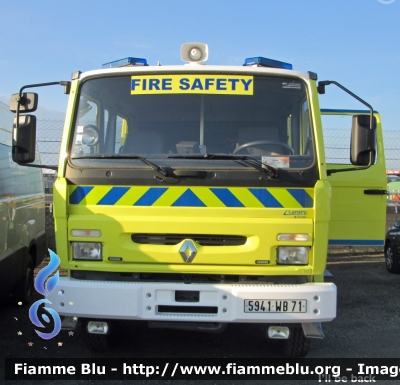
(121, 132)
(306, 145)
(88, 114)
(337, 133)
(289, 130)
(299, 130)
(105, 122)
(6, 164)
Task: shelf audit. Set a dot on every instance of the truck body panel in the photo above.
(359, 197)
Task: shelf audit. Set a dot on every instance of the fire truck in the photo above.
(195, 196)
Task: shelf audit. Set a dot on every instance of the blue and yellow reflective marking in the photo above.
(192, 84)
(239, 197)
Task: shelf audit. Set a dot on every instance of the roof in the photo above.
(195, 68)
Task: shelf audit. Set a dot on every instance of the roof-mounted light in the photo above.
(264, 62)
(127, 62)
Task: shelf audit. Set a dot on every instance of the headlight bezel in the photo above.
(293, 255)
(87, 251)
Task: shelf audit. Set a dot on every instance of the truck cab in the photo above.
(195, 196)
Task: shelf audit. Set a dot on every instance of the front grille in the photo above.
(201, 239)
(108, 276)
(168, 309)
(188, 278)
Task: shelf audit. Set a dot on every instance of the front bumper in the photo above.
(216, 302)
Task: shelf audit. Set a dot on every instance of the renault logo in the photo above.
(188, 251)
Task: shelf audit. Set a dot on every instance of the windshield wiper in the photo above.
(271, 172)
(159, 169)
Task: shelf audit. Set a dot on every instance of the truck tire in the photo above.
(23, 293)
(297, 345)
(392, 261)
(98, 342)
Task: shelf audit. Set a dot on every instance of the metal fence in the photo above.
(337, 141)
(50, 233)
(49, 139)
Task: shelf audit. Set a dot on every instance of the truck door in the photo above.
(358, 203)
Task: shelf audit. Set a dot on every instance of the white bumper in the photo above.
(216, 302)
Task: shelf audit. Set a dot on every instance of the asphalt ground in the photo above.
(367, 326)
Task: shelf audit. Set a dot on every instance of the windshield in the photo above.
(266, 118)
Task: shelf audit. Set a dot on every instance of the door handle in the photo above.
(375, 192)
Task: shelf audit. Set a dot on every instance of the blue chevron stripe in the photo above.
(226, 197)
(113, 196)
(302, 197)
(79, 194)
(265, 197)
(188, 199)
(150, 196)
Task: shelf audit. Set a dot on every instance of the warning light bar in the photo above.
(127, 62)
(264, 62)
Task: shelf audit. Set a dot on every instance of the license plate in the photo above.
(275, 306)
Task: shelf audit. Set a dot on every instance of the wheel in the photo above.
(262, 143)
(100, 342)
(297, 345)
(392, 261)
(23, 293)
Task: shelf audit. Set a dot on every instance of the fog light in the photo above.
(278, 332)
(90, 251)
(96, 327)
(293, 255)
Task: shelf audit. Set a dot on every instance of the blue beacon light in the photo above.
(264, 62)
(127, 62)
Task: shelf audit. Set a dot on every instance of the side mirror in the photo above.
(28, 102)
(363, 140)
(23, 146)
(397, 224)
(322, 84)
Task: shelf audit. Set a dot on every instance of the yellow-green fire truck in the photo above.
(195, 196)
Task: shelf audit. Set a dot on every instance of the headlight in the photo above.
(293, 255)
(87, 250)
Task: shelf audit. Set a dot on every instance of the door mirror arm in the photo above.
(321, 90)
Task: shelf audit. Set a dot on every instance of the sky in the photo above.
(354, 42)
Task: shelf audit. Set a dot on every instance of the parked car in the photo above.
(393, 187)
(22, 219)
(392, 249)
